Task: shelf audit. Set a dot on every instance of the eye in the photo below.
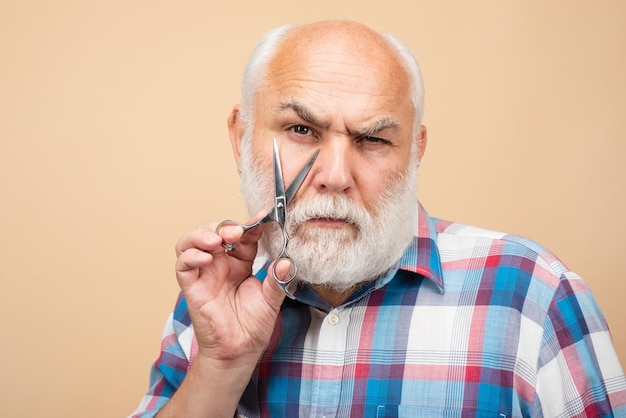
(373, 140)
(301, 130)
(301, 133)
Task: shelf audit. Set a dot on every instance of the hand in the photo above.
(232, 312)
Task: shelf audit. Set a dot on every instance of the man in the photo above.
(396, 313)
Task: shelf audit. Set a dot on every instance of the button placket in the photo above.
(331, 344)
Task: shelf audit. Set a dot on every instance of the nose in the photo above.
(334, 167)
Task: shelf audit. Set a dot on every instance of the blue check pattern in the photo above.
(470, 323)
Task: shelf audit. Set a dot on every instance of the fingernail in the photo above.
(286, 266)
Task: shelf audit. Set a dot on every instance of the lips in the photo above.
(328, 222)
(321, 223)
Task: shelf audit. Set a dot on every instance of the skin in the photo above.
(333, 86)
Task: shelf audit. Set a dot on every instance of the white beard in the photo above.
(338, 258)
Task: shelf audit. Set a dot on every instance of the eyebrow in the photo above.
(302, 112)
(376, 127)
(367, 130)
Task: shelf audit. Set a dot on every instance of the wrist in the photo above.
(235, 371)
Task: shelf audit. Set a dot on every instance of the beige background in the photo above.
(113, 143)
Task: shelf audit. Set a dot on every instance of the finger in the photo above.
(201, 238)
(284, 269)
(193, 259)
(230, 233)
(188, 266)
(246, 243)
(273, 293)
(253, 235)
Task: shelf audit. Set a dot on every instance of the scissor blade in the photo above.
(279, 185)
(297, 181)
(280, 202)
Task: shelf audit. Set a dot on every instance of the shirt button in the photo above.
(333, 319)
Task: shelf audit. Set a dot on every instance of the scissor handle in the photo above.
(229, 222)
(288, 286)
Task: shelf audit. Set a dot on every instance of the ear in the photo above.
(236, 128)
(422, 140)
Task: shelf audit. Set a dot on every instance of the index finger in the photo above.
(233, 233)
(202, 238)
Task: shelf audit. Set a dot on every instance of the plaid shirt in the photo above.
(471, 323)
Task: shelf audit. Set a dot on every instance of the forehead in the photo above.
(351, 67)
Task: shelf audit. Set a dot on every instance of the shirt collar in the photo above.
(422, 255)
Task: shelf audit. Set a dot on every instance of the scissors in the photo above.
(278, 214)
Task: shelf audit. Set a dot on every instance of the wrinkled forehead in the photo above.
(325, 52)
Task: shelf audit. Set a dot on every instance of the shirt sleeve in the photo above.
(579, 373)
(170, 368)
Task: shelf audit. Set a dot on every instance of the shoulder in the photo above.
(499, 254)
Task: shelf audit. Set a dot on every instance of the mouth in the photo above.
(328, 222)
(321, 226)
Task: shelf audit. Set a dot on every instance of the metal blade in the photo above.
(297, 181)
(280, 202)
(279, 185)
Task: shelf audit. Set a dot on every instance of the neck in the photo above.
(333, 297)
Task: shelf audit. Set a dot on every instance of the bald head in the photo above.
(380, 62)
(340, 36)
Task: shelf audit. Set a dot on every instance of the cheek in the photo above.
(373, 182)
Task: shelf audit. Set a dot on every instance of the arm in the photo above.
(579, 373)
(210, 389)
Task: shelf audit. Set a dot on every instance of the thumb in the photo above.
(280, 270)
